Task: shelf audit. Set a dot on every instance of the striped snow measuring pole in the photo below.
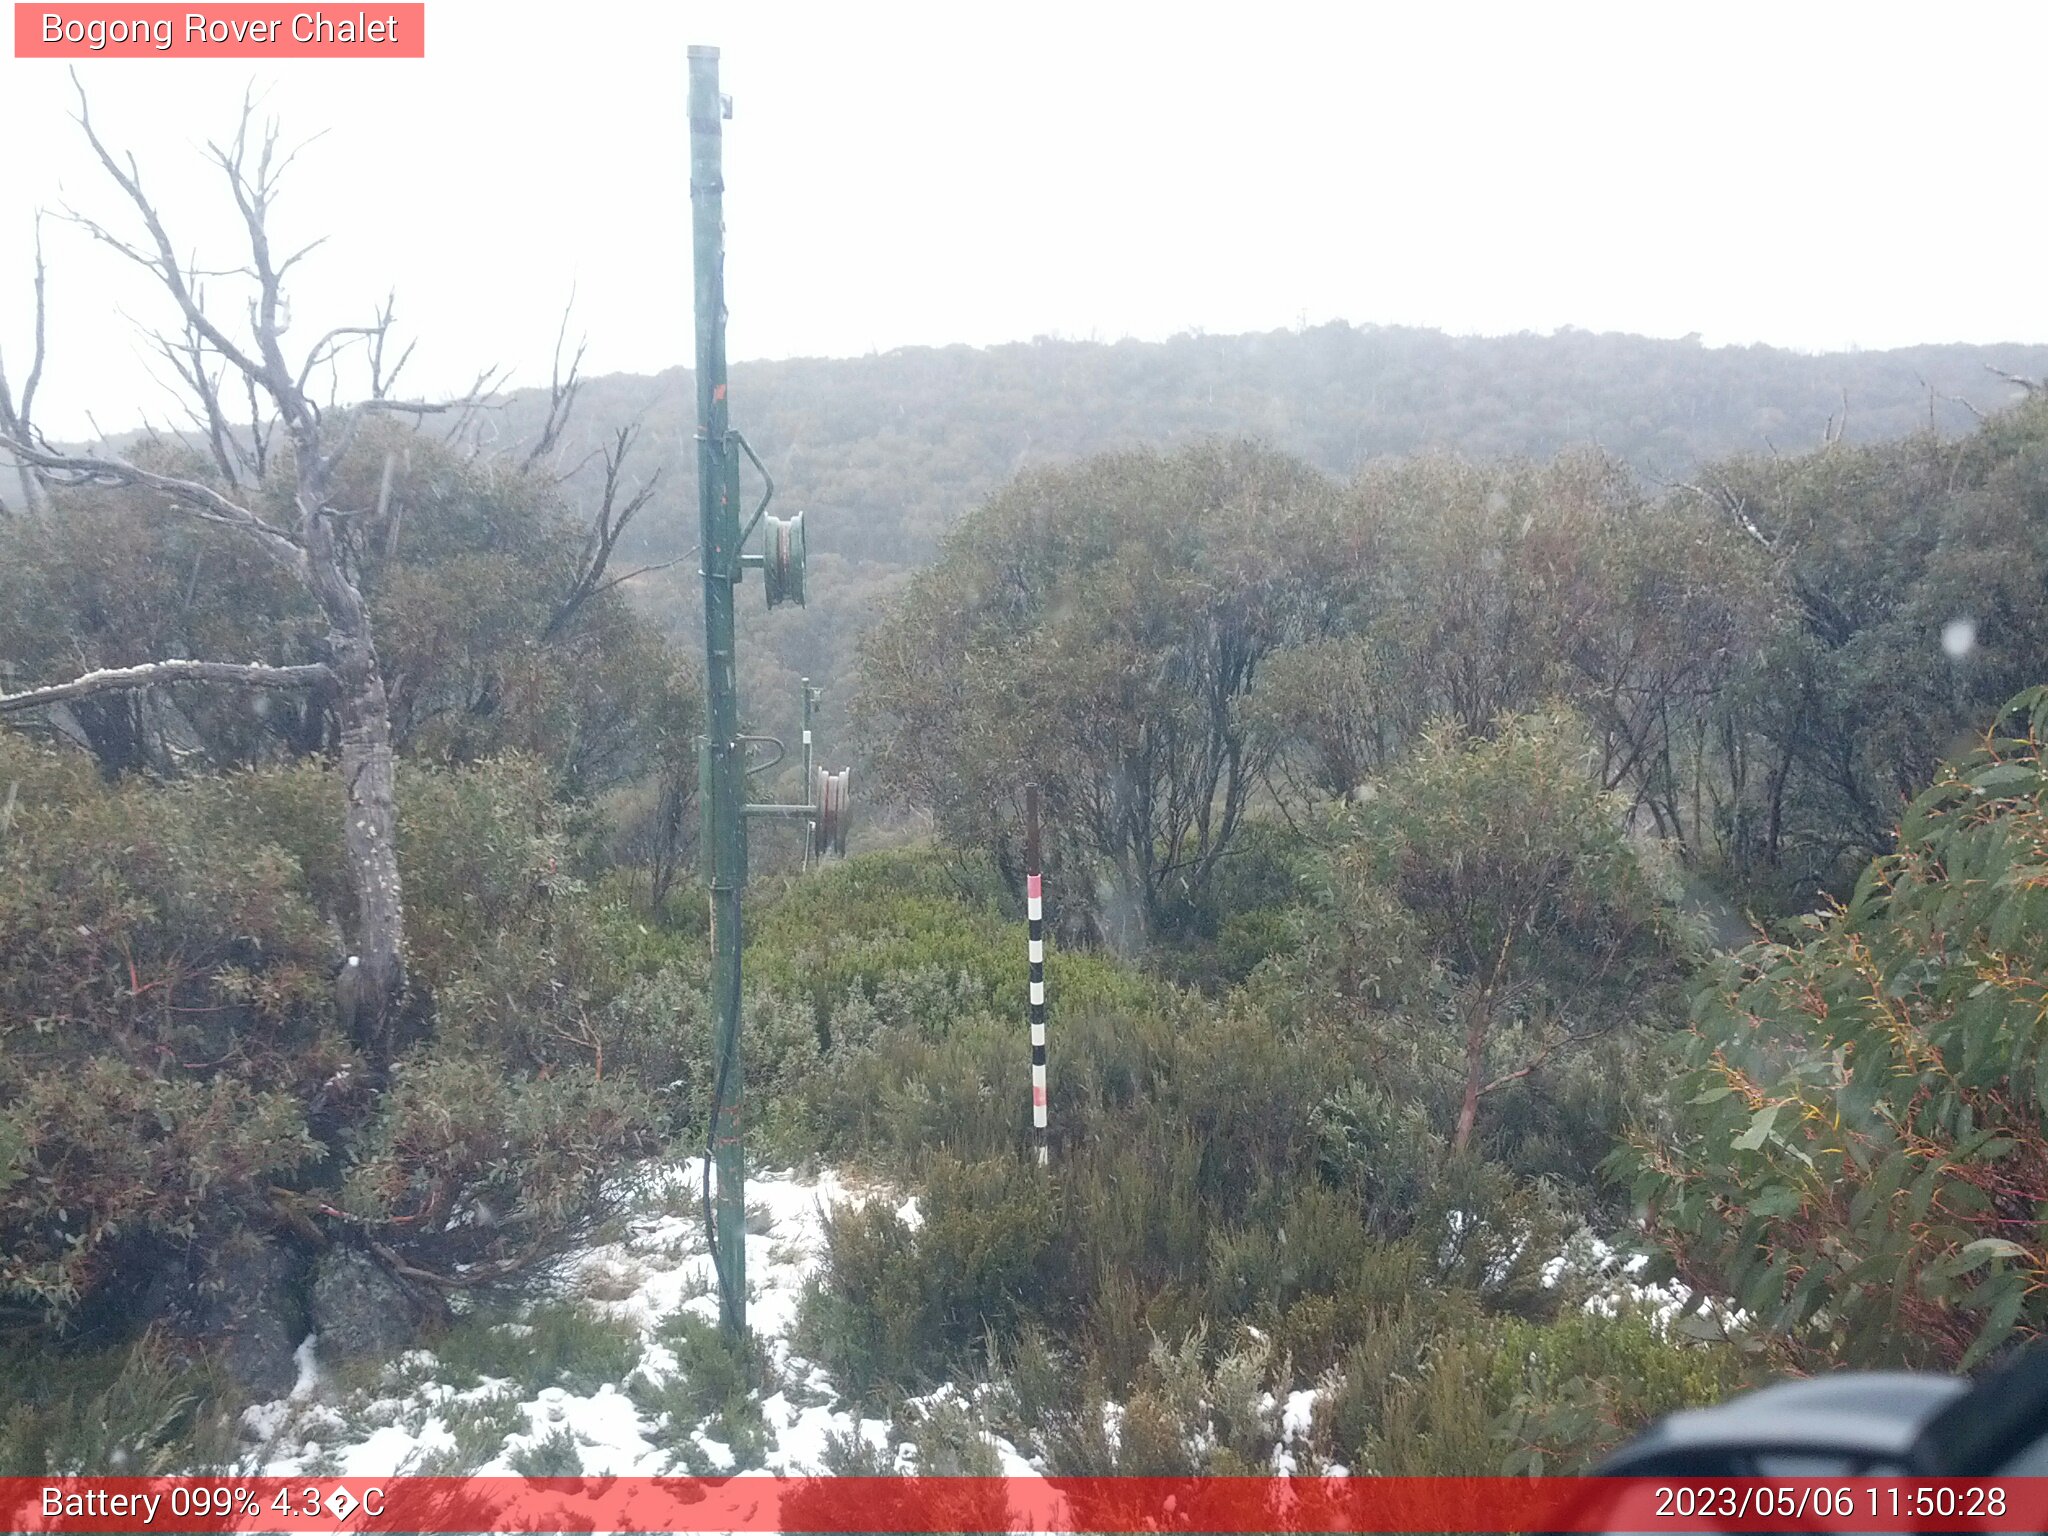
(1034, 912)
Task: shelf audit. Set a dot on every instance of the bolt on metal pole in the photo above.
(721, 764)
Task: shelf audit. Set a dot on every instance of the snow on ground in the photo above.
(410, 1418)
(1612, 1274)
(660, 1267)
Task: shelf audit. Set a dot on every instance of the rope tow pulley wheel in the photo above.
(833, 807)
(782, 562)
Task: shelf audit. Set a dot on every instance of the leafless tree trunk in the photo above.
(17, 417)
(206, 357)
(1476, 1028)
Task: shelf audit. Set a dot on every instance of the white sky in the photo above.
(1810, 175)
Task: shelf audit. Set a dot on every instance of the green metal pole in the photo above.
(725, 852)
(810, 789)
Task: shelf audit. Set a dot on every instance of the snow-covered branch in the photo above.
(240, 674)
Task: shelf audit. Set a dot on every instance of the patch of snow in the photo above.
(261, 1422)
(1295, 1417)
(1611, 1276)
(659, 1267)
(1299, 1414)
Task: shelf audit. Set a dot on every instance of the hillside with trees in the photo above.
(886, 453)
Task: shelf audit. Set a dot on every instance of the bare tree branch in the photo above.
(382, 383)
(644, 570)
(259, 433)
(188, 359)
(562, 391)
(35, 367)
(1736, 508)
(464, 406)
(331, 346)
(1562, 1041)
(606, 529)
(203, 501)
(150, 674)
(18, 420)
(253, 197)
(165, 263)
(2031, 386)
(317, 547)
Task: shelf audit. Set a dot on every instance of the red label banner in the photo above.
(1099, 1504)
(223, 31)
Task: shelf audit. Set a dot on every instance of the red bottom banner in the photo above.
(1084, 1504)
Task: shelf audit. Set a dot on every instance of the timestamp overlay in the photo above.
(939, 1504)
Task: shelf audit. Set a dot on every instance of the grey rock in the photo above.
(246, 1312)
(359, 1309)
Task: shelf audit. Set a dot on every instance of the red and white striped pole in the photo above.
(1034, 913)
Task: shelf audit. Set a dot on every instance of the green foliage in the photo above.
(547, 1344)
(1096, 631)
(1483, 917)
(468, 568)
(138, 1410)
(1857, 1155)
(556, 1455)
(465, 1167)
(1248, 1183)
(1347, 1160)
(113, 581)
(899, 444)
(1855, 697)
(162, 1023)
(709, 1389)
(173, 1073)
(1431, 1388)
(1567, 1393)
(479, 1427)
(899, 1305)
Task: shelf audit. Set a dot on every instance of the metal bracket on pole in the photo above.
(781, 752)
(767, 495)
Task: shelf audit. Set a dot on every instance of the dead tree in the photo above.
(217, 363)
(15, 416)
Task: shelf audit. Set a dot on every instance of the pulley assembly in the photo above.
(832, 796)
(827, 795)
(782, 560)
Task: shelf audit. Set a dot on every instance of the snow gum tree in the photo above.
(218, 362)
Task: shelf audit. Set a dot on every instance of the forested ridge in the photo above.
(886, 453)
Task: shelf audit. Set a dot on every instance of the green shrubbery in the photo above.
(173, 1072)
(549, 1344)
(1856, 1150)
(713, 1380)
(1252, 1194)
(1252, 1183)
(137, 1408)
(164, 1025)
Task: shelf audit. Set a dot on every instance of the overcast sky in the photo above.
(1809, 175)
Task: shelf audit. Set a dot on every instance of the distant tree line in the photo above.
(888, 452)
(1769, 660)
